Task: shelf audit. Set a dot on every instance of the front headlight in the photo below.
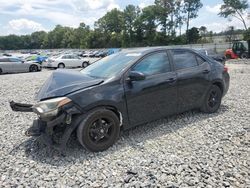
(50, 108)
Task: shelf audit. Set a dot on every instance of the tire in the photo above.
(85, 64)
(244, 56)
(61, 66)
(1, 72)
(212, 100)
(98, 130)
(33, 68)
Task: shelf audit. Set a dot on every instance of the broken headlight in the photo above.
(50, 108)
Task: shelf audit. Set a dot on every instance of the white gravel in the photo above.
(190, 149)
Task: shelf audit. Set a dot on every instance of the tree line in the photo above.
(159, 24)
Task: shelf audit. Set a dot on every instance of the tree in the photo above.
(148, 18)
(203, 32)
(246, 34)
(111, 22)
(191, 8)
(131, 13)
(119, 28)
(234, 8)
(163, 7)
(230, 34)
(169, 15)
(36, 39)
(193, 35)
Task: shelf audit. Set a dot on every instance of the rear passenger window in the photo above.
(184, 59)
(200, 60)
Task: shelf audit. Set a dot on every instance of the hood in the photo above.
(63, 82)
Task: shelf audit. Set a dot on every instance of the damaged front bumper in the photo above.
(47, 128)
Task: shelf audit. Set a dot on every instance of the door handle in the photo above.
(205, 71)
(171, 80)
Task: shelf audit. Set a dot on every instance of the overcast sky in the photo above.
(27, 16)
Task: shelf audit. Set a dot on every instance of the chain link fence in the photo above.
(216, 47)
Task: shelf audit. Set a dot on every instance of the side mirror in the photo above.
(22, 61)
(136, 76)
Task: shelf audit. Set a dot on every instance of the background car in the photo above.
(36, 58)
(101, 53)
(66, 61)
(13, 65)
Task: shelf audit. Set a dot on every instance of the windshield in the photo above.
(110, 65)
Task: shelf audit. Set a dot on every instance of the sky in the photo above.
(26, 16)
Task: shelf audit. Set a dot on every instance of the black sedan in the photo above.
(124, 90)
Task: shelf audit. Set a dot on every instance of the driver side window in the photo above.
(154, 64)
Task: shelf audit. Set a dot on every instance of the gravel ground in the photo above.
(190, 149)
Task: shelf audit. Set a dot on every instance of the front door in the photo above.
(154, 97)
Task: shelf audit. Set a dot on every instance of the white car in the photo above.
(14, 65)
(66, 61)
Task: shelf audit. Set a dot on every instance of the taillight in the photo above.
(225, 69)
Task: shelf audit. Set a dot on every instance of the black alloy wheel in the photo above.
(212, 100)
(99, 130)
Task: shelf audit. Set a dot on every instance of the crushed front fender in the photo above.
(66, 122)
(19, 107)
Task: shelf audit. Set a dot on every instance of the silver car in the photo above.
(14, 65)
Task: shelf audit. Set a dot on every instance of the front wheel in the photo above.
(85, 64)
(212, 100)
(244, 56)
(98, 130)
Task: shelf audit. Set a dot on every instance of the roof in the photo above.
(144, 50)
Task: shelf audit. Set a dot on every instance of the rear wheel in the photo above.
(61, 66)
(98, 130)
(212, 100)
(244, 56)
(33, 68)
(85, 64)
(1, 72)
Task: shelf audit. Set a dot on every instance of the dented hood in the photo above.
(63, 82)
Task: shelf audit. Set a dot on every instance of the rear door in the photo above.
(65, 59)
(192, 78)
(156, 96)
(18, 65)
(76, 60)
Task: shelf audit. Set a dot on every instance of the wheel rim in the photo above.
(61, 66)
(244, 56)
(101, 130)
(213, 99)
(85, 64)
